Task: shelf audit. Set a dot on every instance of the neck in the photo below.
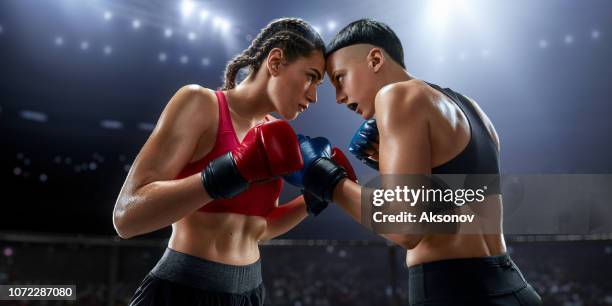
(249, 101)
(398, 74)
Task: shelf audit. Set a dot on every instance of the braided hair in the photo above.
(294, 36)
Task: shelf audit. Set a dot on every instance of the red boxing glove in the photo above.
(268, 150)
(341, 159)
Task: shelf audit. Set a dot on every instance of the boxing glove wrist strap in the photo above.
(314, 206)
(322, 177)
(221, 178)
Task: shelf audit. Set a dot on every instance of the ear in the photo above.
(274, 61)
(376, 59)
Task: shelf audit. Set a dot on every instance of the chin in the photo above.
(367, 115)
(289, 116)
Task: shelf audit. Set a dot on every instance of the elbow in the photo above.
(410, 242)
(121, 225)
(406, 241)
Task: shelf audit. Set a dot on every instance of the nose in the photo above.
(311, 94)
(341, 98)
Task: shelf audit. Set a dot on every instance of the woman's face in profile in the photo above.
(295, 85)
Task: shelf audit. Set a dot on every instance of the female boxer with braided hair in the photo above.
(211, 169)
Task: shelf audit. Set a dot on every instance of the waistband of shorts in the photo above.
(464, 278)
(461, 263)
(204, 274)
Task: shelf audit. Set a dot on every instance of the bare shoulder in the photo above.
(192, 104)
(192, 97)
(404, 97)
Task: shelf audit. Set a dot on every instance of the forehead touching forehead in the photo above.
(316, 58)
(351, 55)
(315, 61)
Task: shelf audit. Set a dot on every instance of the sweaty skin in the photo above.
(151, 198)
(420, 128)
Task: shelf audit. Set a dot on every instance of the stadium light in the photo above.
(108, 50)
(187, 7)
(204, 15)
(331, 25)
(136, 24)
(191, 36)
(168, 32)
(108, 15)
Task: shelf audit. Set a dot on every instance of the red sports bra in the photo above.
(259, 199)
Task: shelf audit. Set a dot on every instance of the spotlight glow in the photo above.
(191, 36)
(1, 29)
(162, 57)
(205, 61)
(59, 41)
(108, 50)
(221, 24)
(146, 126)
(33, 116)
(331, 25)
(568, 39)
(187, 7)
(108, 15)
(168, 32)
(594, 34)
(225, 25)
(184, 59)
(84, 45)
(111, 124)
(438, 14)
(204, 15)
(136, 24)
(217, 22)
(543, 44)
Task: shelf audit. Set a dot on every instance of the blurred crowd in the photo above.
(564, 273)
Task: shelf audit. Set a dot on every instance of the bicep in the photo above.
(404, 143)
(174, 139)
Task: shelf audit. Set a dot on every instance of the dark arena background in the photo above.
(82, 84)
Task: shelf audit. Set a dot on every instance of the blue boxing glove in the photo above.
(319, 175)
(312, 149)
(363, 141)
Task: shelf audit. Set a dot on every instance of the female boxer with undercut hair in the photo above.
(211, 169)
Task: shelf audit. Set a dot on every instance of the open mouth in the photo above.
(352, 106)
(302, 107)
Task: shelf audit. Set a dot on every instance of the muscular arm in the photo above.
(402, 115)
(403, 124)
(150, 198)
(285, 217)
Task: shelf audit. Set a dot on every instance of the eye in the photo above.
(339, 78)
(311, 77)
